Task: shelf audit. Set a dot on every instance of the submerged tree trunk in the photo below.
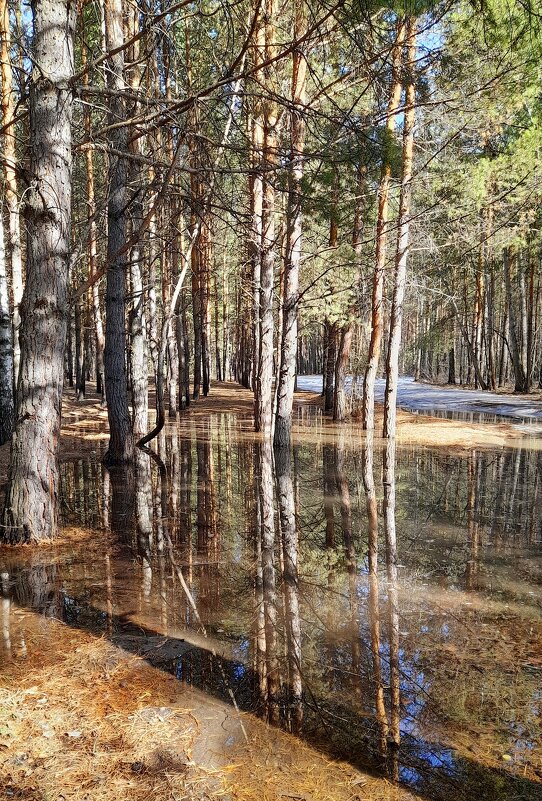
(290, 549)
(120, 448)
(30, 512)
(377, 315)
(373, 596)
(269, 589)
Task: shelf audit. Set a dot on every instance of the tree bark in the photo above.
(10, 164)
(515, 351)
(377, 316)
(7, 404)
(331, 358)
(403, 230)
(138, 353)
(290, 548)
(93, 249)
(288, 350)
(264, 400)
(120, 448)
(256, 200)
(341, 363)
(30, 512)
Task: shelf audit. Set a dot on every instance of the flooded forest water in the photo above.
(248, 574)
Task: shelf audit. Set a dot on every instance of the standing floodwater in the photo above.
(245, 573)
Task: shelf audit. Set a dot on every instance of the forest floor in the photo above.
(81, 718)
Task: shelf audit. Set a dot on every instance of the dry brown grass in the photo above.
(81, 719)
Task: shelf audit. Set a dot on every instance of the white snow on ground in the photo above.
(427, 398)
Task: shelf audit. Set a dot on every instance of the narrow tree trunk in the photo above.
(10, 164)
(515, 352)
(394, 733)
(205, 290)
(31, 508)
(92, 245)
(377, 314)
(339, 406)
(290, 548)
(79, 352)
(7, 410)
(288, 349)
(403, 230)
(531, 305)
(373, 596)
(138, 354)
(264, 400)
(331, 358)
(173, 365)
(218, 357)
(490, 317)
(451, 365)
(120, 448)
(256, 200)
(69, 349)
(226, 368)
(479, 312)
(524, 326)
(268, 578)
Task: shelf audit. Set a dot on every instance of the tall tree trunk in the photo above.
(331, 358)
(226, 367)
(451, 365)
(478, 323)
(218, 354)
(524, 324)
(79, 351)
(377, 313)
(196, 223)
(256, 201)
(30, 512)
(7, 405)
(531, 305)
(288, 350)
(403, 230)
(138, 355)
(120, 448)
(92, 245)
(264, 400)
(205, 289)
(515, 350)
(10, 162)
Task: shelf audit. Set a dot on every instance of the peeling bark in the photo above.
(30, 512)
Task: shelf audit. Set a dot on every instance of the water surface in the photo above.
(246, 574)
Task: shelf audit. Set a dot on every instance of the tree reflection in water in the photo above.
(270, 584)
